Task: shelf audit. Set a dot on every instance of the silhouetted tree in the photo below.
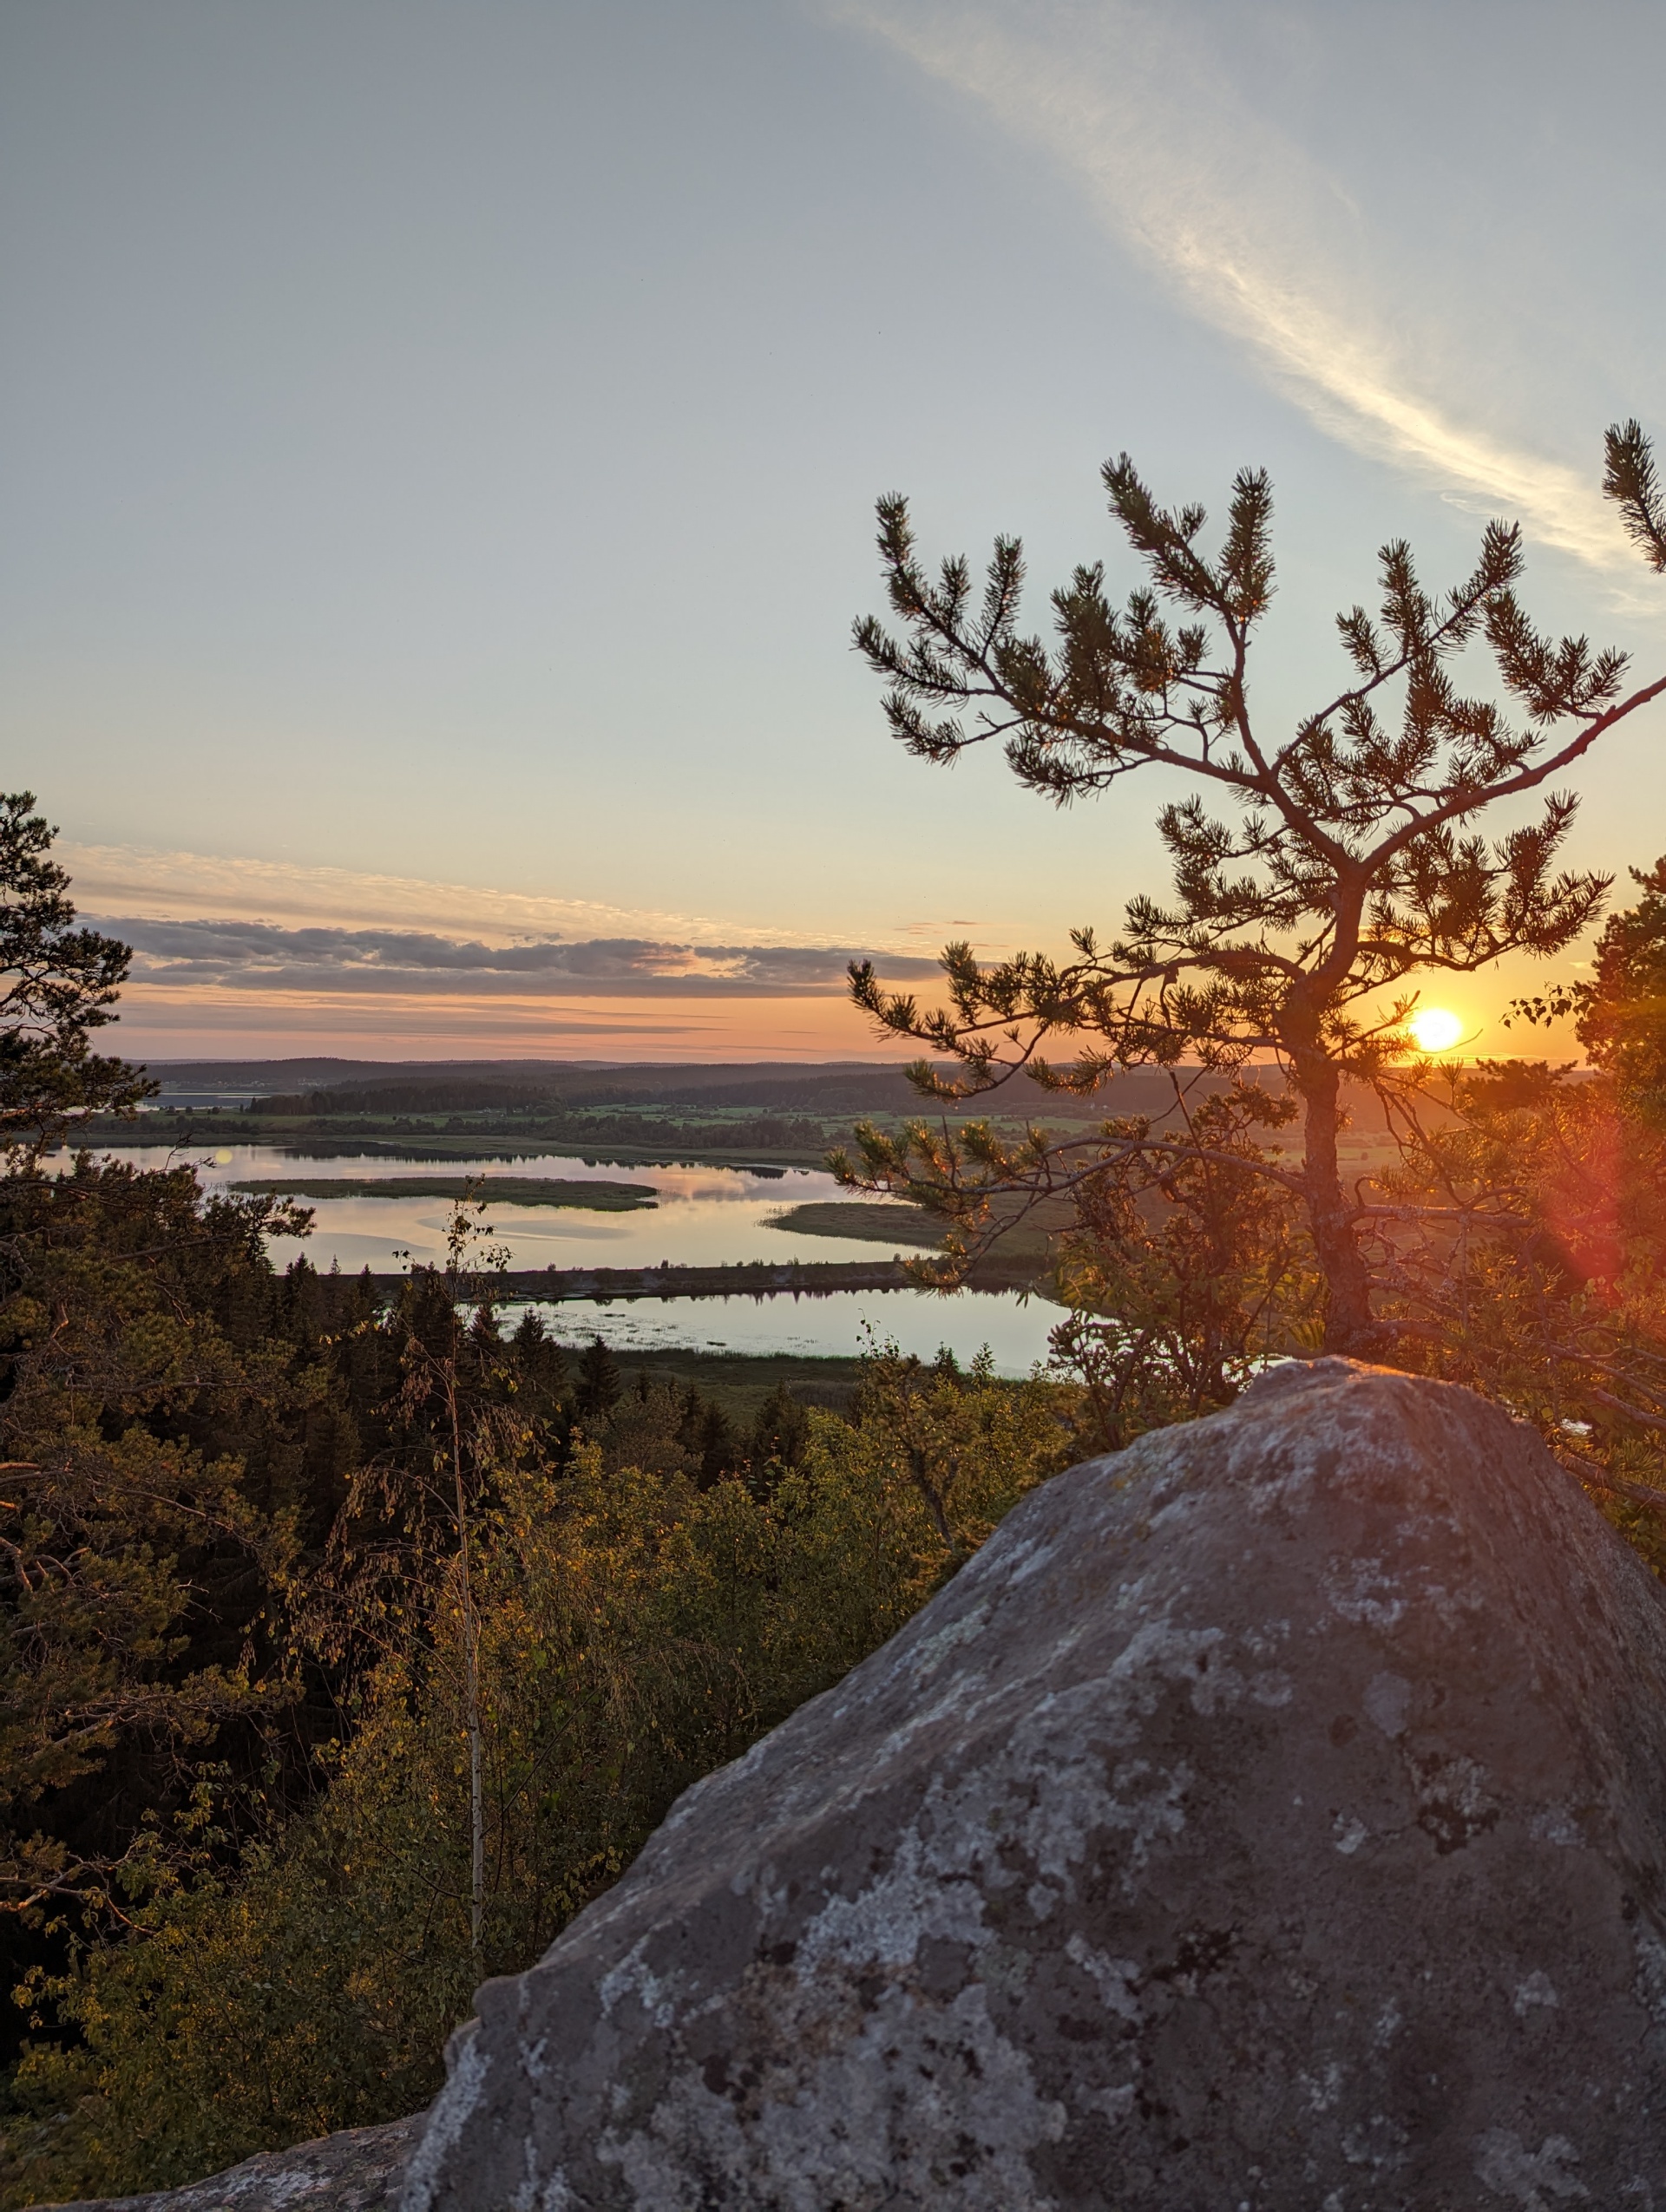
(140, 1566)
(1316, 872)
(779, 1440)
(57, 984)
(599, 1385)
(540, 1373)
(1620, 1010)
(444, 1368)
(708, 1437)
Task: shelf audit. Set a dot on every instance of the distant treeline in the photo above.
(482, 1086)
(374, 1105)
(784, 1110)
(473, 1095)
(346, 1086)
(825, 1096)
(455, 1098)
(764, 1132)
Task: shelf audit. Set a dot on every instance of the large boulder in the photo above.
(1269, 1819)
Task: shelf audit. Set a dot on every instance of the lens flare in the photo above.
(1434, 1029)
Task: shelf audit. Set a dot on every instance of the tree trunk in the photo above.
(471, 1689)
(476, 1785)
(1348, 1325)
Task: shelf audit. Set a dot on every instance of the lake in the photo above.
(702, 1216)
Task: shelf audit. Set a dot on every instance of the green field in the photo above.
(661, 1135)
(846, 1217)
(739, 1382)
(497, 1190)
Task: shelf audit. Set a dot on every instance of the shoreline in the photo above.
(757, 1279)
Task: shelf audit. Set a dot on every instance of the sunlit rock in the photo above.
(1269, 1819)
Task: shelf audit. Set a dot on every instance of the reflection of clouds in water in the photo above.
(559, 1228)
(354, 1252)
(706, 1216)
(694, 1181)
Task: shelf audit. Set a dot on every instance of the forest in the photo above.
(357, 1634)
(355, 1646)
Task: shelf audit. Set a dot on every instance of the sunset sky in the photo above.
(441, 437)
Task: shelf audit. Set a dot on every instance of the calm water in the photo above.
(704, 1216)
(842, 1324)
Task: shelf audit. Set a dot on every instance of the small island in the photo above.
(867, 1223)
(497, 1190)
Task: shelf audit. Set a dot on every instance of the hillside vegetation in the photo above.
(355, 1637)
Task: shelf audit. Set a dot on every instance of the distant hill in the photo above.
(438, 1086)
(264, 1076)
(334, 1086)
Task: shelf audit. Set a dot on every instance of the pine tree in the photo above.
(708, 1437)
(1620, 1010)
(1316, 873)
(57, 984)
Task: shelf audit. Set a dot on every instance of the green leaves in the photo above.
(636, 1632)
(137, 1565)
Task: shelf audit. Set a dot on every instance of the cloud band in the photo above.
(265, 958)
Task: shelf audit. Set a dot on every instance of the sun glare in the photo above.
(1434, 1029)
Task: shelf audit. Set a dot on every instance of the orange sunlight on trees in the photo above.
(1434, 1029)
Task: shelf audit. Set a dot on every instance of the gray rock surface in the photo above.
(1269, 1819)
(360, 2169)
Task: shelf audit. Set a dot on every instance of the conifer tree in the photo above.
(1619, 1010)
(57, 984)
(1317, 871)
(600, 1386)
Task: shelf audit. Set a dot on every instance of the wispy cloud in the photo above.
(139, 886)
(1238, 220)
(164, 886)
(218, 956)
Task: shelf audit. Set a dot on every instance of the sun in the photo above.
(1434, 1029)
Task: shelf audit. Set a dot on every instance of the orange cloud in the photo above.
(159, 1022)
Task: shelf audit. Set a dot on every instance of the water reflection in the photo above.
(840, 1326)
(704, 1216)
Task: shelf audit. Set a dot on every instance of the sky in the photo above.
(439, 439)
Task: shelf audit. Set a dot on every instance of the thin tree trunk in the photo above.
(1348, 1325)
(470, 1693)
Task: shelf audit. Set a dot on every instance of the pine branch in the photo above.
(1630, 480)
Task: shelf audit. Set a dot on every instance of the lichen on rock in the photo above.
(1270, 1817)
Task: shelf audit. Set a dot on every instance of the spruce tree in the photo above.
(600, 1386)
